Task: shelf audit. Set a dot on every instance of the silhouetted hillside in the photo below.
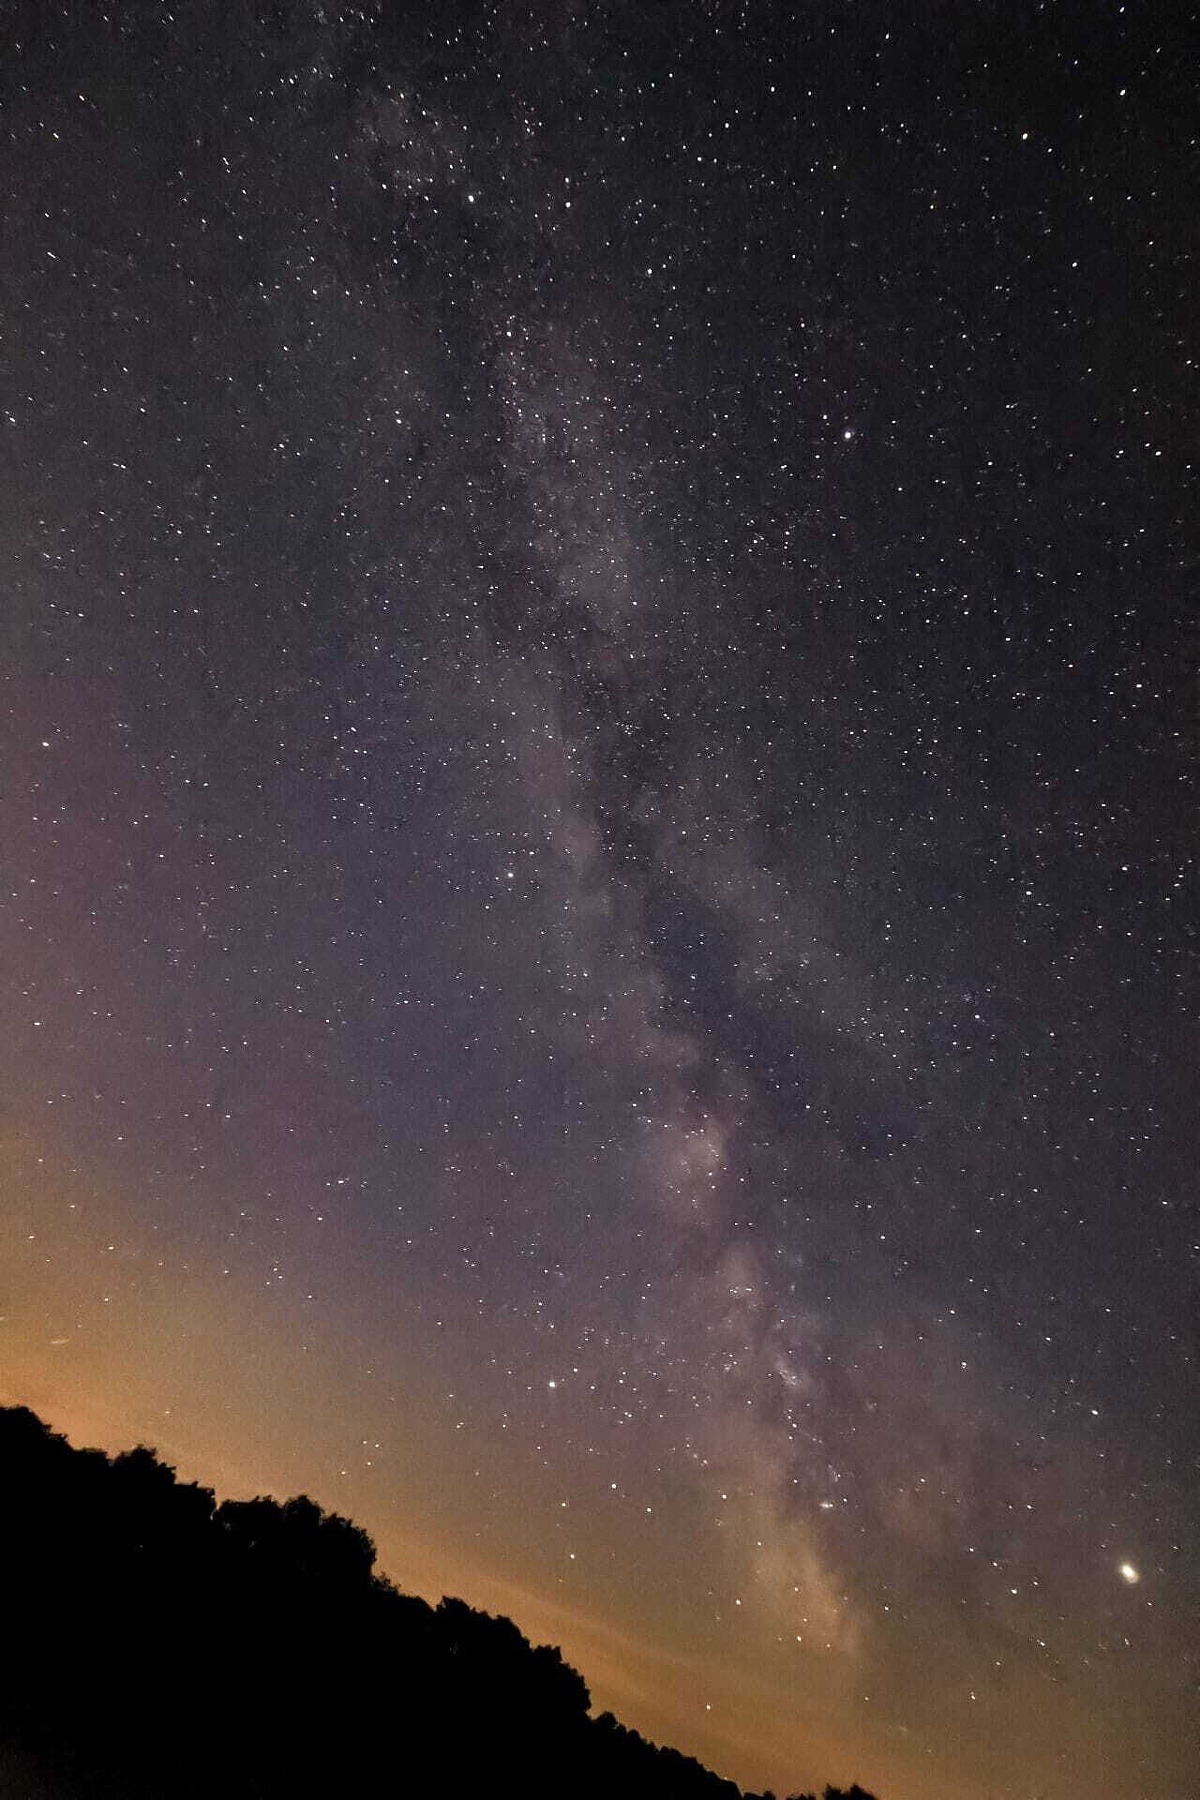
(157, 1645)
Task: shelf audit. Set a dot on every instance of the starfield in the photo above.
(598, 905)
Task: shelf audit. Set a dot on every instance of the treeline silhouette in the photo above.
(158, 1646)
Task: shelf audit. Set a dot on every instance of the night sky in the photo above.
(597, 804)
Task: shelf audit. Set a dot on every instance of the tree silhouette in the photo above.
(159, 1646)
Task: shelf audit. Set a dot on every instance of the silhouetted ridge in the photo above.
(157, 1645)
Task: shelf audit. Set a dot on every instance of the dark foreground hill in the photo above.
(157, 1646)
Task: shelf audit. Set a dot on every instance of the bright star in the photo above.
(1128, 1573)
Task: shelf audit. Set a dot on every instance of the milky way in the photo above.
(598, 816)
